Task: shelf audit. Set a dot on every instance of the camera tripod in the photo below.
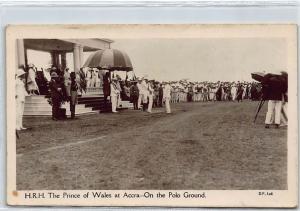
(259, 106)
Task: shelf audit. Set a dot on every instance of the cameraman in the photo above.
(273, 88)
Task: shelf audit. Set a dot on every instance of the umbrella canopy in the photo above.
(110, 59)
(258, 76)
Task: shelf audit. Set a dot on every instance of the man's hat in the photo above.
(54, 75)
(30, 65)
(20, 72)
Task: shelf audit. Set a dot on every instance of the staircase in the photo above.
(38, 105)
(95, 102)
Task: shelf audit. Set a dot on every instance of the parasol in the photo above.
(109, 59)
(258, 76)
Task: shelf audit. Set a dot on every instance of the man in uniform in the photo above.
(134, 94)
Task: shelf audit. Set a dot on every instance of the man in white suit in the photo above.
(143, 90)
(114, 94)
(150, 96)
(20, 98)
(167, 97)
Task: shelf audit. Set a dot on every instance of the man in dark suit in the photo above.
(134, 95)
(56, 95)
(160, 95)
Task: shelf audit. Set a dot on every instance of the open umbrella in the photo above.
(110, 59)
(258, 76)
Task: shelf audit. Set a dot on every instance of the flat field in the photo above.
(200, 146)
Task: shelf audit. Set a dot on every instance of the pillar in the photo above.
(55, 59)
(21, 53)
(26, 58)
(81, 55)
(63, 60)
(76, 58)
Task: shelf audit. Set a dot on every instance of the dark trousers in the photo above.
(55, 108)
(135, 102)
(160, 101)
(105, 101)
(72, 109)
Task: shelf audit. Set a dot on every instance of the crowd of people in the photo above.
(147, 93)
(144, 93)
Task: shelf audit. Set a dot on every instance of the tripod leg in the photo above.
(260, 105)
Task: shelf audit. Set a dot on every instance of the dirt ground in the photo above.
(200, 146)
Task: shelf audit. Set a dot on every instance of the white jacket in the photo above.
(167, 91)
(150, 90)
(142, 88)
(114, 91)
(20, 90)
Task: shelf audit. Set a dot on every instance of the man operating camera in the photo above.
(274, 87)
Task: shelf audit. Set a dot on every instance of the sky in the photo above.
(201, 59)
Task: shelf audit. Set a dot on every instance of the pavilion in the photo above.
(58, 48)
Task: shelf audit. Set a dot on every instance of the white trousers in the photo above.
(233, 94)
(114, 102)
(274, 106)
(167, 103)
(284, 117)
(150, 103)
(140, 101)
(19, 114)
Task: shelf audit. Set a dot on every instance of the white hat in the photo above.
(20, 72)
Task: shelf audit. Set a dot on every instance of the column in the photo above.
(21, 53)
(55, 59)
(63, 60)
(81, 55)
(76, 58)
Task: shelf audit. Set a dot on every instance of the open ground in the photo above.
(200, 146)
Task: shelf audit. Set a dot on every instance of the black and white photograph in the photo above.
(212, 109)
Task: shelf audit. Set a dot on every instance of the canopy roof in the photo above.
(66, 45)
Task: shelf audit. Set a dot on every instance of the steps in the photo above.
(38, 105)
